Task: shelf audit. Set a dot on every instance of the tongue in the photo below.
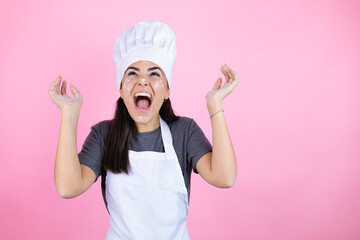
(143, 103)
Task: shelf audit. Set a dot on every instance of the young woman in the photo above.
(145, 154)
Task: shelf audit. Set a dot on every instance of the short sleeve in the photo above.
(197, 145)
(92, 150)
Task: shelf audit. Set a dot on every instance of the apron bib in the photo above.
(151, 202)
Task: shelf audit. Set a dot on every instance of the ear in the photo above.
(121, 91)
(167, 94)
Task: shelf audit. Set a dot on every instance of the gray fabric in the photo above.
(189, 142)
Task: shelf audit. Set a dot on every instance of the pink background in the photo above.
(294, 117)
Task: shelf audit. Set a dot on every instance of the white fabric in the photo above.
(150, 41)
(152, 201)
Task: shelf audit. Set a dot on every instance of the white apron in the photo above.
(152, 201)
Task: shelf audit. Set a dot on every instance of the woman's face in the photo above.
(144, 88)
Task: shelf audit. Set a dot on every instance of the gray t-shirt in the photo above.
(189, 142)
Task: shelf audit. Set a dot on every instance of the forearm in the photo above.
(67, 166)
(223, 162)
(219, 167)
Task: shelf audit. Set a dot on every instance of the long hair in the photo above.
(116, 156)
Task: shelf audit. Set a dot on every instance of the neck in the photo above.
(149, 126)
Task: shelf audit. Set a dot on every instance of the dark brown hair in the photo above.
(116, 157)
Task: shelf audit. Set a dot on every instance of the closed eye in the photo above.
(131, 73)
(155, 73)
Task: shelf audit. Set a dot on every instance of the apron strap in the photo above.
(167, 140)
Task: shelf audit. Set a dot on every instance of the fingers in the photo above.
(217, 84)
(74, 90)
(232, 73)
(55, 86)
(234, 79)
(63, 88)
(223, 69)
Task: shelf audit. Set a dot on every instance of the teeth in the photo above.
(143, 94)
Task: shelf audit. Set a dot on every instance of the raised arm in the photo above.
(218, 167)
(71, 178)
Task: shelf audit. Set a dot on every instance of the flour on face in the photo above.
(125, 85)
(134, 88)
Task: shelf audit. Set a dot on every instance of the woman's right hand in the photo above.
(61, 99)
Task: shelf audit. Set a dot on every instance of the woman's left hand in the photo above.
(218, 93)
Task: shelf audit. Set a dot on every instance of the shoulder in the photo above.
(183, 126)
(101, 128)
(183, 122)
(102, 124)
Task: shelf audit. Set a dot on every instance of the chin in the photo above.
(148, 121)
(142, 119)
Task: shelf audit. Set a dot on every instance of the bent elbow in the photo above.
(64, 194)
(228, 183)
(64, 190)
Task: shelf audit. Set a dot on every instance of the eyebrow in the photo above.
(135, 68)
(153, 68)
(149, 69)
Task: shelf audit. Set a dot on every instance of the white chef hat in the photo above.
(149, 41)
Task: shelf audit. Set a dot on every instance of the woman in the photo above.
(146, 153)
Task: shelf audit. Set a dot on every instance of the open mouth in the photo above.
(142, 101)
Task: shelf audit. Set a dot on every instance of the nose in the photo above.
(143, 81)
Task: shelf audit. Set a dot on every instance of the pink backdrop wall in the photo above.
(294, 117)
